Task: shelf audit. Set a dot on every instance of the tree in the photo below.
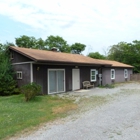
(0, 46)
(96, 55)
(40, 44)
(58, 42)
(128, 53)
(26, 41)
(77, 48)
(7, 82)
(30, 42)
(4, 47)
(117, 52)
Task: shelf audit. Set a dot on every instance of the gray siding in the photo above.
(40, 75)
(85, 75)
(18, 58)
(25, 68)
(119, 75)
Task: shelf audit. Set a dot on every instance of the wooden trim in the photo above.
(91, 75)
(23, 63)
(125, 72)
(73, 78)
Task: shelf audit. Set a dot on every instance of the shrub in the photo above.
(30, 91)
(8, 87)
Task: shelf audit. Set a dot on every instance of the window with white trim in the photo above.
(93, 75)
(125, 73)
(19, 74)
(112, 74)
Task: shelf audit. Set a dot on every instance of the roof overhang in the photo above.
(57, 62)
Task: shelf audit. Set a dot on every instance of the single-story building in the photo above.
(118, 72)
(61, 72)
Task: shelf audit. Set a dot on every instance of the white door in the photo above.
(75, 79)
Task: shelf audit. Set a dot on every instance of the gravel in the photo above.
(118, 119)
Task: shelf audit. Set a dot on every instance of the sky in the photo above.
(98, 24)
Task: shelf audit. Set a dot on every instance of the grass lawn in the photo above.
(17, 115)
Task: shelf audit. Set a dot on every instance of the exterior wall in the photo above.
(25, 68)
(40, 75)
(68, 78)
(85, 75)
(106, 79)
(130, 72)
(119, 75)
(18, 58)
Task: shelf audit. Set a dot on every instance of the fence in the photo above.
(135, 77)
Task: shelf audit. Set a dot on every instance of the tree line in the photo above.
(47, 44)
(128, 53)
(124, 52)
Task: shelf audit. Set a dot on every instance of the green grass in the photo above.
(17, 115)
(107, 86)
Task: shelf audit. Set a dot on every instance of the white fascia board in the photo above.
(23, 63)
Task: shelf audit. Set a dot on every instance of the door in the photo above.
(75, 79)
(56, 81)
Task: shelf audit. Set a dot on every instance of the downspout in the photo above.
(101, 78)
(31, 72)
(100, 75)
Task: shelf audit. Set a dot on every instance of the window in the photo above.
(56, 81)
(19, 74)
(125, 73)
(112, 74)
(93, 75)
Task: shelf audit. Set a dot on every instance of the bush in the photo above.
(8, 87)
(30, 91)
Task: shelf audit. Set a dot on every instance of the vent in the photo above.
(54, 49)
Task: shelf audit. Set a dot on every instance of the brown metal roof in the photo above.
(116, 64)
(50, 56)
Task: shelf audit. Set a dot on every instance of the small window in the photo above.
(93, 75)
(112, 74)
(125, 73)
(19, 74)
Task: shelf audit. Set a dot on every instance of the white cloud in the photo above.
(97, 23)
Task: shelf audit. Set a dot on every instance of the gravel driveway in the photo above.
(118, 119)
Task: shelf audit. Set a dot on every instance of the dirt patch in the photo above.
(64, 109)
